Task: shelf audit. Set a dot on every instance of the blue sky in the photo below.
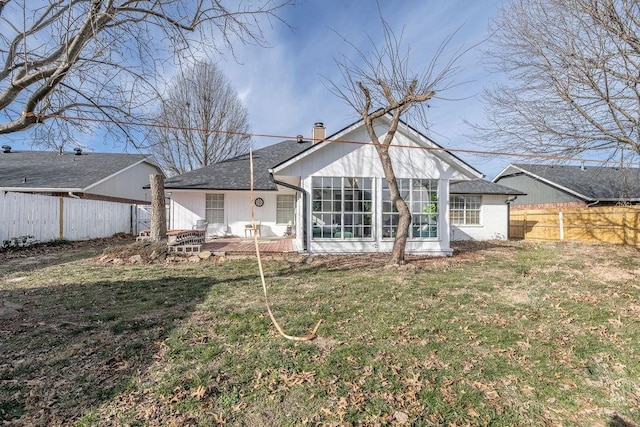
(285, 86)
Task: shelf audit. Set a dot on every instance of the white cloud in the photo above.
(284, 86)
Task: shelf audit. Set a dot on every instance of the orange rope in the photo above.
(312, 335)
(341, 141)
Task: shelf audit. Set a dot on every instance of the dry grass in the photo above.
(503, 333)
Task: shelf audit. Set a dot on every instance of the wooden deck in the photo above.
(247, 245)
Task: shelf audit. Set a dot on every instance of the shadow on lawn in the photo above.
(14, 260)
(76, 346)
(617, 421)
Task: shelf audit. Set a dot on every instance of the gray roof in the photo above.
(33, 170)
(233, 174)
(589, 183)
(482, 186)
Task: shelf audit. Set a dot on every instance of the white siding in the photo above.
(189, 206)
(494, 222)
(359, 160)
(362, 160)
(127, 184)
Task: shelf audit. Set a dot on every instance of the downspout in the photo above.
(508, 202)
(305, 203)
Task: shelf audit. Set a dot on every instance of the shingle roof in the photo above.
(482, 186)
(589, 183)
(233, 174)
(64, 172)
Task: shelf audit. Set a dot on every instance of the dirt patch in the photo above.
(39, 255)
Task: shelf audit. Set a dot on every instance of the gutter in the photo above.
(305, 203)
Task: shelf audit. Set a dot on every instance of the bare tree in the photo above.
(573, 77)
(101, 59)
(158, 208)
(202, 121)
(381, 83)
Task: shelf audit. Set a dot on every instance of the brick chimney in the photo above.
(318, 133)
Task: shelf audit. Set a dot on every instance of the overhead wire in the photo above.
(341, 141)
(312, 334)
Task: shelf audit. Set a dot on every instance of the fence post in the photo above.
(561, 225)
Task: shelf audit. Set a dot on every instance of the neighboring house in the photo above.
(333, 197)
(101, 176)
(560, 185)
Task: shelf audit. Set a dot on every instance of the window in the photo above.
(465, 210)
(214, 209)
(342, 207)
(421, 196)
(285, 209)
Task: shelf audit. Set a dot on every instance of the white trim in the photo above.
(41, 190)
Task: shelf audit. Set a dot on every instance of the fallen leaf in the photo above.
(401, 417)
(199, 393)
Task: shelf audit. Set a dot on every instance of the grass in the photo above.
(513, 333)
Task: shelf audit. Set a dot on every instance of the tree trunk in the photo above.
(158, 208)
(404, 222)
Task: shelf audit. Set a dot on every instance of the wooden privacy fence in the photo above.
(610, 224)
(48, 218)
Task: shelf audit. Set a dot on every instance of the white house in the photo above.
(332, 195)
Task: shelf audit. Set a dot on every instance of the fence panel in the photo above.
(610, 224)
(48, 218)
(29, 215)
(92, 219)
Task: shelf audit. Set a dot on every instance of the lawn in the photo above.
(503, 333)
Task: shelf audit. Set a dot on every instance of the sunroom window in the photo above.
(342, 207)
(421, 196)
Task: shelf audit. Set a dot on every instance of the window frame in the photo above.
(419, 194)
(288, 211)
(210, 210)
(344, 209)
(465, 209)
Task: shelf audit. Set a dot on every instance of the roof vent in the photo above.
(6, 148)
(300, 138)
(78, 151)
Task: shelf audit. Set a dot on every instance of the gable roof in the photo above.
(437, 150)
(482, 186)
(587, 183)
(55, 172)
(233, 174)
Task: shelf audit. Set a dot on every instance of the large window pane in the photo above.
(421, 196)
(342, 208)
